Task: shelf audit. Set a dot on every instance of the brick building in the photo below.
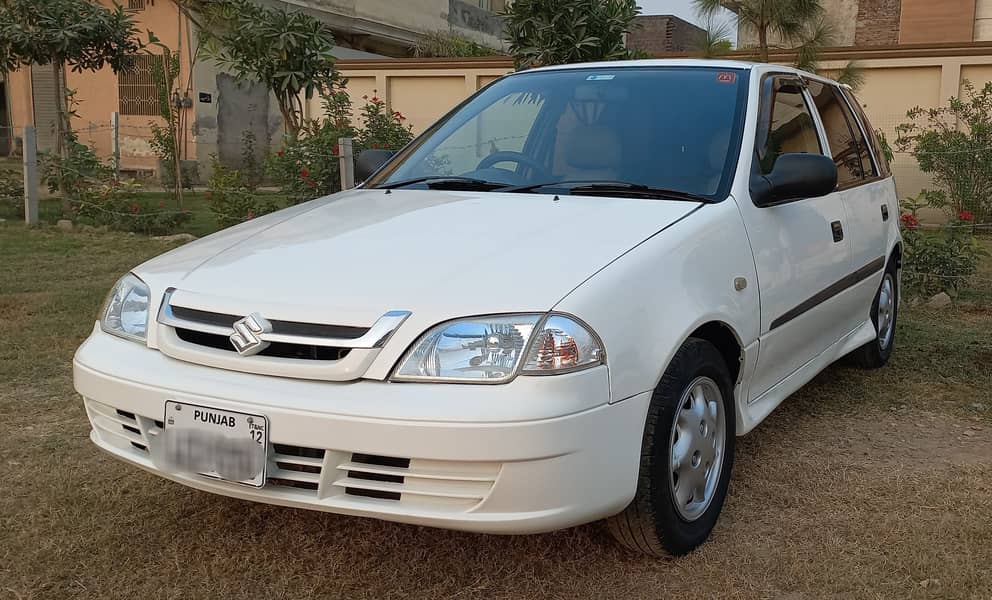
(893, 22)
(661, 34)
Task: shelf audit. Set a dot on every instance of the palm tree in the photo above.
(795, 22)
(799, 24)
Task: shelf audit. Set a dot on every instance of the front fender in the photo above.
(648, 301)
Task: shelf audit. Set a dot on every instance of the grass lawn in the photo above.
(863, 484)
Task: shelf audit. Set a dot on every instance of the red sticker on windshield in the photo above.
(726, 77)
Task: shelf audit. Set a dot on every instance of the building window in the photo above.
(492, 5)
(136, 4)
(136, 88)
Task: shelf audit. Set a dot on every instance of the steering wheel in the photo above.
(510, 156)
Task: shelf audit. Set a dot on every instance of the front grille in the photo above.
(285, 327)
(282, 348)
(277, 349)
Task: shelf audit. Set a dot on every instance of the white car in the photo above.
(559, 304)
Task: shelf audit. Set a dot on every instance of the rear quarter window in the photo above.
(884, 170)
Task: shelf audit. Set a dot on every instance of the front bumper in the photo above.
(537, 454)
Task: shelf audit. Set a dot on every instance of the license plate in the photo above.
(216, 443)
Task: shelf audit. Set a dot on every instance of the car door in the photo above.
(799, 249)
(864, 193)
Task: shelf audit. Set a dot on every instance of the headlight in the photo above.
(125, 312)
(494, 349)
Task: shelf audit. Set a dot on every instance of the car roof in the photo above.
(684, 62)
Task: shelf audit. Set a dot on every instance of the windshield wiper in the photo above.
(607, 187)
(453, 181)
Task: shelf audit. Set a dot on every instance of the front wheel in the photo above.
(884, 310)
(686, 456)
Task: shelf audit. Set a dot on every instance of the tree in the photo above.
(795, 22)
(289, 52)
(714, 41)
(78, 34)
(798, 24)
(550, 32)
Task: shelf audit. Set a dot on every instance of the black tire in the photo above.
(876, 353)
(651, 523)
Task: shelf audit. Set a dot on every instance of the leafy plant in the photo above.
(11, 189)
(116, 205)
(78, 34)
(442, 43)
(288, 51)
(380, 127)
(551, 32)
(938, 261)
(953, 144)
(307, 167)
(231, 199)
(74, 172)
(251, 167)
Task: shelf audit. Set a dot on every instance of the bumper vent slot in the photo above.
(295, 466)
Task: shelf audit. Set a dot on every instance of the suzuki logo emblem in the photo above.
(247, 336)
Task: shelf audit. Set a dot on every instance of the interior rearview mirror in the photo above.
(369, 161)
(794, 177)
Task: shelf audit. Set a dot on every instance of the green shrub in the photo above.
(953, 143)
(307, 166)
(232, 199)
(12, 189)
(116, 205)
(941, 260)
(443, 43)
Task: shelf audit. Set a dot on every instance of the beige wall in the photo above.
(894, 83)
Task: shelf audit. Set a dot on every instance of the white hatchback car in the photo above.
(559, 304)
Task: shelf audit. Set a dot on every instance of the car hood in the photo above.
(351, 257)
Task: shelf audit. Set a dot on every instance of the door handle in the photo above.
(885, 213)
(838, 230)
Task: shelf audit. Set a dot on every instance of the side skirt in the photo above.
(749, 415)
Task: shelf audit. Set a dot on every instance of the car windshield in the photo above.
(666, 128)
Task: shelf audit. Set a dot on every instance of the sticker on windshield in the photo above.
(600, 77)
(726, 77)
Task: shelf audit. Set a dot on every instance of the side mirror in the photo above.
(369, 161)
(794, 177)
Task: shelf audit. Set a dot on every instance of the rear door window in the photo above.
(882, 163)
(847, 146)
(787, 125)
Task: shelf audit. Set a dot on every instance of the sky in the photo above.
(680, 8)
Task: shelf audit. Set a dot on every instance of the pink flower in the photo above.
(135, 208)
(909, 221)
(335, 149)
(280, 153)
(304, 173)
(966, 216)
(250, 215)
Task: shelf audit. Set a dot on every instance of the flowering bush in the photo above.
(231, 198)
(938, 261)
(954, 144)
(307, 166)
(116, 205)
(380, 127)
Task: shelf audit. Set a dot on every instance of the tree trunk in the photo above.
(62, 126)
(763, 43)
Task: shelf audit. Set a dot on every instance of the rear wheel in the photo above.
(686, 456)
(884, 310)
